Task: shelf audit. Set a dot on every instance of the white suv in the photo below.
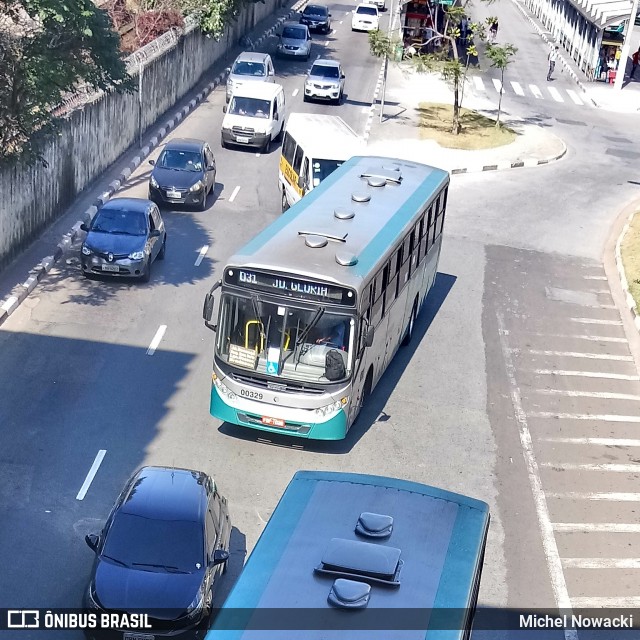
(365, 18)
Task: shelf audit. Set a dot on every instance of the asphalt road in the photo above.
(520, 314)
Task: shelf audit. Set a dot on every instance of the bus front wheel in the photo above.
(285, 202)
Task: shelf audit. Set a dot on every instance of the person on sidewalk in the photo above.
(552, 58)
(634, 62)
(493, 31)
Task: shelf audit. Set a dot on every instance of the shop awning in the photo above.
(603, 13)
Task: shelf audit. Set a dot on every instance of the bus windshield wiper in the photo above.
(120, 562)
(254, 302)
(303, 336)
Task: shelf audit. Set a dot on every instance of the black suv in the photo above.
(161, 551)
(317, 18)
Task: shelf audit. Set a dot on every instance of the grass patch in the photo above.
(630, 251)
(478, 131)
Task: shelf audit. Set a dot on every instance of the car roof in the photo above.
(130, 204)
(367, 4)
(185, 144)
(252, 56)
(326, 62)
(316, 6)
(294, 24)
(166, 492)
(262, 90)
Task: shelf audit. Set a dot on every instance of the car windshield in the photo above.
(180, 160)
(120, 221)
(325, 71)
(155, 544)
(369, 11)
(322, 168)
(244, 68)
(287, 342)
(294, 33)
(252, 107)
(316, 11)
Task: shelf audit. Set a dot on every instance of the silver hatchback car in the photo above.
(295, 41)
(250, 66)
(325, 81)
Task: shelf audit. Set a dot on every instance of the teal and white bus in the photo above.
(313, 309)
(347, 556)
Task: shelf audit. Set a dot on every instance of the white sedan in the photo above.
(365, 18)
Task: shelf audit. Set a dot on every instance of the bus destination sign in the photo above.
(290, 287)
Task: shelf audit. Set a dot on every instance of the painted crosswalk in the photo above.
(493, 86)
(575, 392)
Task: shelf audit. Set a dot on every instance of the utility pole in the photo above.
(622, 67)
(386, 60)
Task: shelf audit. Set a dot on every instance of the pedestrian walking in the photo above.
(493, 31)
(552, 58)
(634, 62)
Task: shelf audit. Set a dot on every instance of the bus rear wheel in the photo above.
(285, 202)
(412, 321)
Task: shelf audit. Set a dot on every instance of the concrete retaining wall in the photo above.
(96, 134)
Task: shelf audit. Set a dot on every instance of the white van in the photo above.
(255, 116)
(365, 18)
(314, 146)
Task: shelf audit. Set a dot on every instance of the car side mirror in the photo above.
(271, 72)
(329, 15)
(224, 109)
(211, 167)
(300, 182)
(219, 556)
(92, 541)
(368, 340)
(342, 76)
(155, 233)
(227, 70)
(152, 162)
(84, 226)
(276, 116)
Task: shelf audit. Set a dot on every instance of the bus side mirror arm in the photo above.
(207, 309)
(368, 339)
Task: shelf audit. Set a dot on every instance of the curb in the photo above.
(551, 43)
(500, 166)
(623, 276)
(20, 292)
(374, 104)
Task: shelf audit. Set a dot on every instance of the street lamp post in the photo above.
(140, 103)
(622, 67)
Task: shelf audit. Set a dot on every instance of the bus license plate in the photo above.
(112, 268)
(272, 422)
(137, 636)
(242, 139)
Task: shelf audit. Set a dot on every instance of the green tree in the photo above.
(216, 15)
(500, 57)
(48, 48)
(446, 59)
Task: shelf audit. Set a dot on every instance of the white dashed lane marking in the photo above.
(91, 475)
(536, 92)
(602, 417)
(497, 84)
(585, 374)
(579, 354)
(555, 94)
(574, 96)
(606, 442)
(295, 92)
(588, 394)
(517, 88)
(234, 193)
(155, 343)
(201, 255)
(610, 496)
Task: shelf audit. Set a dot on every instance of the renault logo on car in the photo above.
(110, 257)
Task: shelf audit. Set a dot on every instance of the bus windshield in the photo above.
(284, 340)
(323, 168)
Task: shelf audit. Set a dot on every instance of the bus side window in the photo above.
(429, 227)
(392, 287)
(288, 148)
(297, 160)
(406, 262)
(422, 237)
(443, 206)
(433, 233)
(377, 308)
(385, 281)
(413, 249)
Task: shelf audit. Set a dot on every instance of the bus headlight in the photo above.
(223, 389)
(332, 408)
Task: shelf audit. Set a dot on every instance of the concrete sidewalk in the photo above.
(398, 135)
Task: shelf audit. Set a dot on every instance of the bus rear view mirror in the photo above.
(207, 309)
(368, 339)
